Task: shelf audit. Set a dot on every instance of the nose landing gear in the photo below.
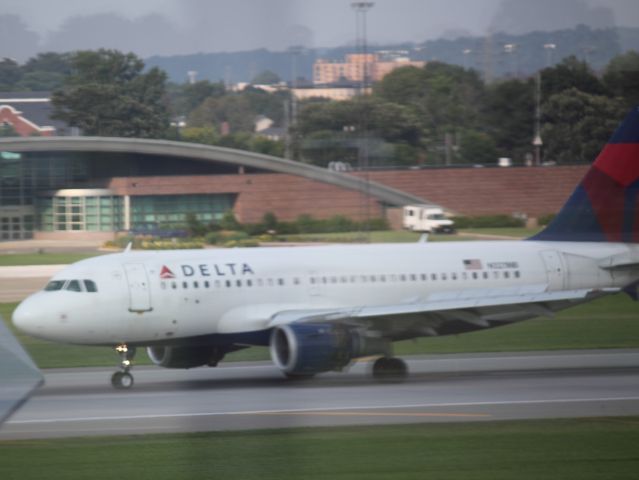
(122, 379)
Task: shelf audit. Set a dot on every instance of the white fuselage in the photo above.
(148, 297)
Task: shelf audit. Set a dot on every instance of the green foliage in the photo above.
(229, 222)
(477, 147)
(222, 237)
(488, 221)
(508, 116)
(7, 130)
(576, 125)
(233, 110)
(10, 74)
(570, 73)
(621, 77)
(544, 220)
(108, 94)
(266, 77)
(194, 226)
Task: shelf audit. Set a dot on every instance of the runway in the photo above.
(441, 388)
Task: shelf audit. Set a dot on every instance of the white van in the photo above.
(427, 218)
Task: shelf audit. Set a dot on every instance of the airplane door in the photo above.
(555, 269)
(139, 291)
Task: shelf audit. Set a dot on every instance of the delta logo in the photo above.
(166, 273)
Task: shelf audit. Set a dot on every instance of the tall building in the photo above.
(352, 70)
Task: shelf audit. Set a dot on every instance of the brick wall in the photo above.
(468, 191)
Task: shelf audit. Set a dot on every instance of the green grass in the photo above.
(386, 236)
(593, 448)
(611, 322)
(17, 259)
(516, 232)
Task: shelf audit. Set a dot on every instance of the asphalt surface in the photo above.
(441, 388)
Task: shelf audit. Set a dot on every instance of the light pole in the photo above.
(537, 143)
(549, 47)
(466, 52)
(360, 9)
(360, 33)
(511, 50)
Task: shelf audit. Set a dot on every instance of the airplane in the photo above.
(318, 308)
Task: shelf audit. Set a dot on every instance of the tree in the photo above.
(570, 73)
(508, 114)
(234, 110)
(187, 97)
(577, 124)
(476, 147)
(10, 74)
(621, 77)
(267, 77)
(108, 95)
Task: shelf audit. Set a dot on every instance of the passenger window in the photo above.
(453, 276)
(423, 277)
(249, 283)
(475, 275)
(444, 276)
(73, 286)
(195, 285)
(173, 285)
(89, 286)
(413, 277)
(280, 281)
(228, 284)
(517, 274)
(54, 285)
(433, 276)
(506, 274)
(238, 283)
(185, 285)
(485, 275)
(206, 284)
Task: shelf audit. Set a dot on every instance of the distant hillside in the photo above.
(487, 54)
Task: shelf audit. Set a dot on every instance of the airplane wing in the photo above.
(19, 376)
(448, 313)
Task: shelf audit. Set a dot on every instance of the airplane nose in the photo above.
(26, 318)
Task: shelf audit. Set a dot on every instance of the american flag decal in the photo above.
(472, 264)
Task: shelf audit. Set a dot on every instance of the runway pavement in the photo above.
(441, 388)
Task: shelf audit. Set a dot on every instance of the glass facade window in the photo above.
(80, 213)
(170, 211)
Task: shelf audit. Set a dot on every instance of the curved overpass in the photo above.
(206, 153)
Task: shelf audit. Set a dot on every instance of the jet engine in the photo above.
(306, 349)
(184, 357)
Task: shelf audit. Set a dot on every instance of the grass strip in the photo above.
(589, 448)
(610, 322)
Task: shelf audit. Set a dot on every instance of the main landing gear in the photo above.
(390, 369)
(122, 379)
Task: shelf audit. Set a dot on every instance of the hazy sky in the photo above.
(188, 26)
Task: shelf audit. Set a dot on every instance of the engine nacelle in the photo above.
(184, 357)
(307, 349)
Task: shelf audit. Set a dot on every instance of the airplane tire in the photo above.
(390, 369)
(122, 380)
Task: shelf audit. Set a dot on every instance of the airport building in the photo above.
(92, 187)
(54, 186)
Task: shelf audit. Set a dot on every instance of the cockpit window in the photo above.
(54, 285)
(90, 286)
(73, 286)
